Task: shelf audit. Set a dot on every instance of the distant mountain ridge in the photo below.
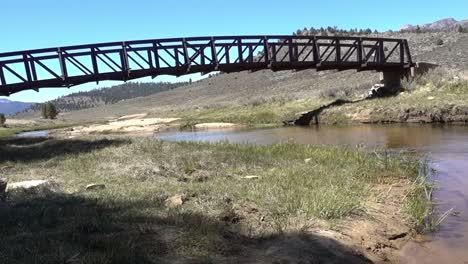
(8, 107)
(443, 24)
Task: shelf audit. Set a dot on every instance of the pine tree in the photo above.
(418, 29)
(2, 119)
(44, 111)
(49, 111)
(52, 111)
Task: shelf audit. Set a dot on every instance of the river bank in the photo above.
(210, 202)
(428, 102)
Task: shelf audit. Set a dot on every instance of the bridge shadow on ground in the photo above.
(313, 116)
(41, 148)
(48, 226)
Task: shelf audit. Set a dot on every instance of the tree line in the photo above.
(418, 29)
(105, 95)
(333, 31)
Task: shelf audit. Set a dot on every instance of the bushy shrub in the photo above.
(439, 42)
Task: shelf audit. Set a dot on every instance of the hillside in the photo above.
(8, 107)
(103, 96)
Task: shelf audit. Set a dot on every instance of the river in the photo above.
(445, 146)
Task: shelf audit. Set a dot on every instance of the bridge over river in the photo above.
(74, 65)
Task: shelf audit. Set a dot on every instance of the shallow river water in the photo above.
(446, 148)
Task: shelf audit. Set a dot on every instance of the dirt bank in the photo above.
(427, 104)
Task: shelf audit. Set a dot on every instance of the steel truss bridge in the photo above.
(74, 65)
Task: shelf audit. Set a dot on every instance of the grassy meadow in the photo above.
(238, 200)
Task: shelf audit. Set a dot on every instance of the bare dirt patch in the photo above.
(215, 125)
(14, 122)
(381, 232)
(126, 125)
(135, 116)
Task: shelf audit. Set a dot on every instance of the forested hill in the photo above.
(110, 95)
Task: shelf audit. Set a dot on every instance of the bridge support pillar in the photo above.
(391, 80)
(390, 83)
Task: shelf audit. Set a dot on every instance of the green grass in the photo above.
(6, 132)
(128, 222)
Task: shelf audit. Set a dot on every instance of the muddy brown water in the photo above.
(445, 146)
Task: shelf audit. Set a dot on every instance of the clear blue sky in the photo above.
(30, 24)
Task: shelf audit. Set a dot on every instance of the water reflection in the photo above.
(41, 133)
(390, 136)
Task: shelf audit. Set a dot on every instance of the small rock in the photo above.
(308, 160)
(251, 177)
(175, 201)
(430, 98)
(93, 186)
(455, 213)
(27, 184)
(227, 200)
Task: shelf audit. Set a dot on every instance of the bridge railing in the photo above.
(73, 65)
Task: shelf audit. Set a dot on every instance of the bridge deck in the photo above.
(74, 65)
